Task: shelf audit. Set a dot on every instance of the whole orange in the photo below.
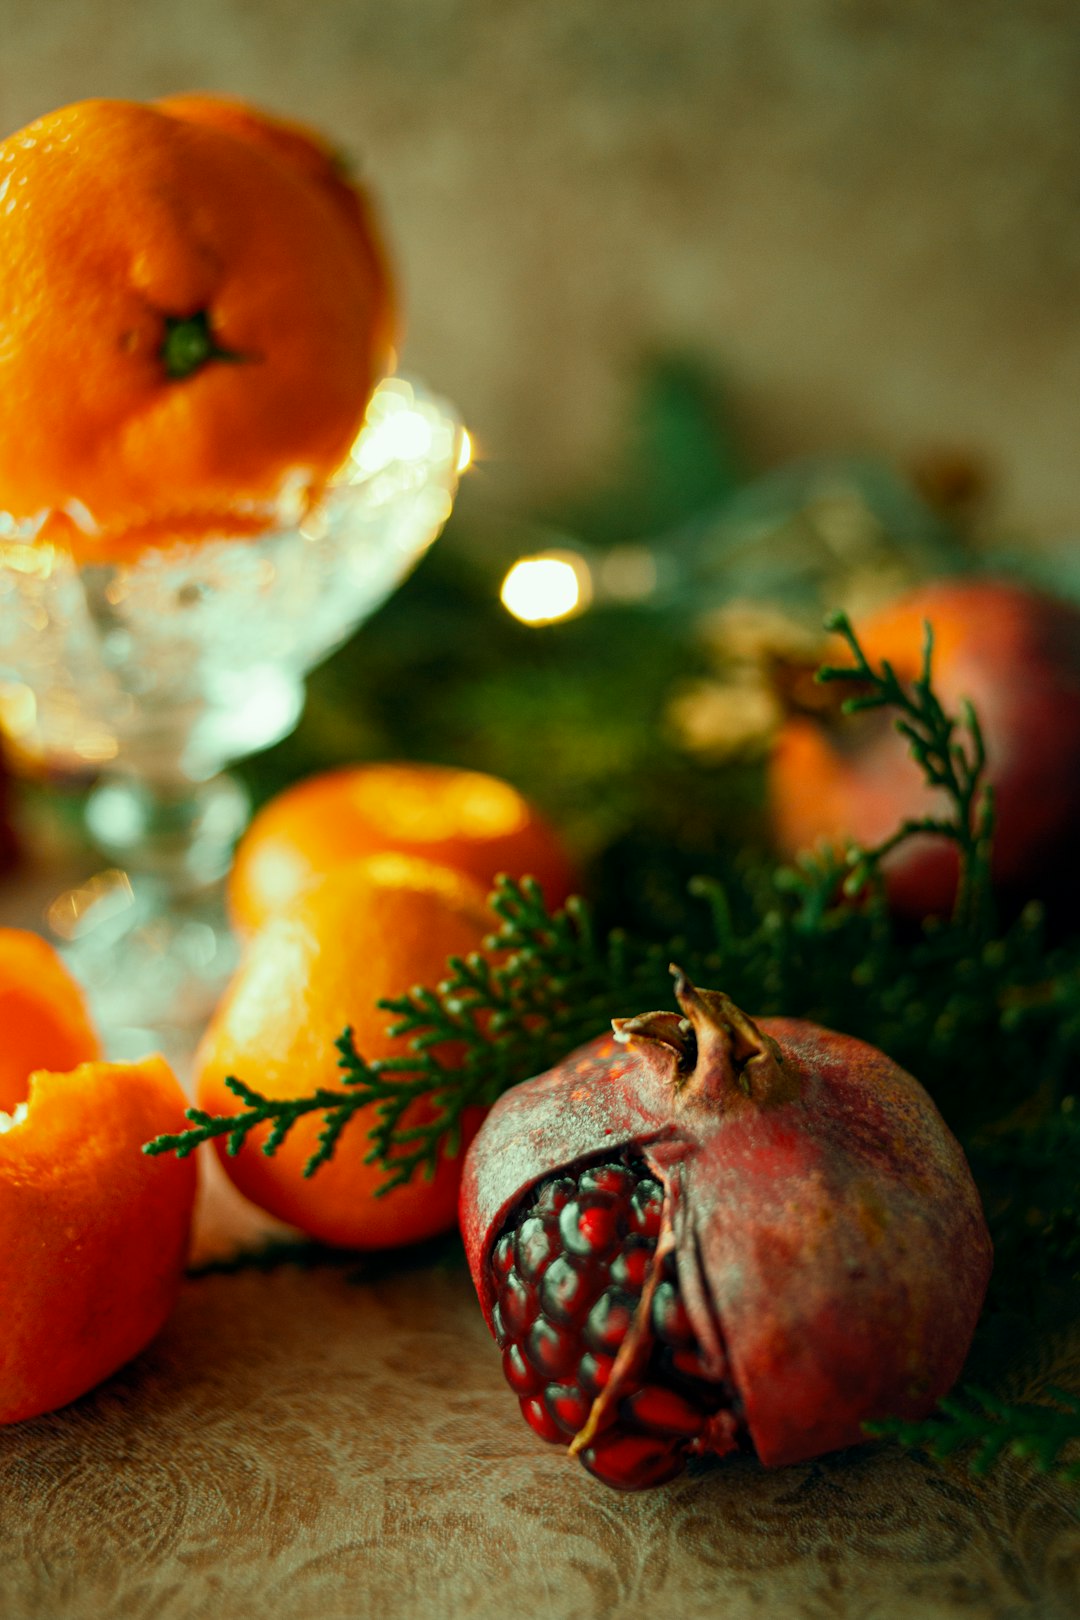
(371, 928)
(474, 823)
(309, 154)
(191, 324)
(93, 1234)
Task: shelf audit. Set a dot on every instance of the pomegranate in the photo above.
(703, 1234)
(1015, 654)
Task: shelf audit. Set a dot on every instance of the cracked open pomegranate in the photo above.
(703, 1234)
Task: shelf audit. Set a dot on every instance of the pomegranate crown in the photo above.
(721, 1056)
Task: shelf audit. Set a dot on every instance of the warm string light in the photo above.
(555, 585)
(547, 588)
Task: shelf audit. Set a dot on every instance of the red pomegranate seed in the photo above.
(569, 1406)
(647, 1208)
(669, 1319)
(569, 1289)
(688, 1364)
(520, 1305)
(630, 1462)
(594, 1371)
(609, 1322)
(589, 1229)
(630, 1268)
(522, 1377)
(552, 1350)
(502, 1259)
(555, 1193)
(498, 1326)
(538, 1417)
(663, 1412)
(607, 1178)
(537, 1241)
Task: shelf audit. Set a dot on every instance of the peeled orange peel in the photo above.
(43, 1017)
(95, 1234)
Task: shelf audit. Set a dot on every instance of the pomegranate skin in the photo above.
(829, 1241)
(1015, 654)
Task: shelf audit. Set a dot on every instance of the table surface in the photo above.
(335, 1442)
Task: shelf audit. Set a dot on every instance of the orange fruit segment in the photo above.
(371, 928)
(43, 1015)
(466, 820)
(93, 1234)
(194, 321)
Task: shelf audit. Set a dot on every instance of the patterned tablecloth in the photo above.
(325, 1444)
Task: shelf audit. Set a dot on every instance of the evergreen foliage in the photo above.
(1046, 1431)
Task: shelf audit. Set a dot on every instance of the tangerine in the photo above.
(466, 820)
(311, 155)
(193, 321)
(43, 1015)
(93, 1235)
(371, 928)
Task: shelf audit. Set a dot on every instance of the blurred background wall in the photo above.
(865, 214)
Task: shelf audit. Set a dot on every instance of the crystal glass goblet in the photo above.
(153, 675)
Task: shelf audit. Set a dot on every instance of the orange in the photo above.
(309, 154)
(371, 928)
(193, 322)
(93, 1234)
(43, 1016)
(473, 823)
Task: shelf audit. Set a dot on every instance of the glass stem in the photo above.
(176, 836)
(148, 939)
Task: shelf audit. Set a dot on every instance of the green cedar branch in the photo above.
(964, 1010)
(280, 1113)
(486, 1026)
(950, 752)
(1046, 1432)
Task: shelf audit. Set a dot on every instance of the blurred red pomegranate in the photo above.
(1016, 655)
(706, 1235)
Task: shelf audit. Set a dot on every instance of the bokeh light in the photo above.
(544, 589)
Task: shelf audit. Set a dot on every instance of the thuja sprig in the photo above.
(988, 1428)
(550, 984)
(1032, 1173)
(944, 1003)
(951, 754)
(280, 1113)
